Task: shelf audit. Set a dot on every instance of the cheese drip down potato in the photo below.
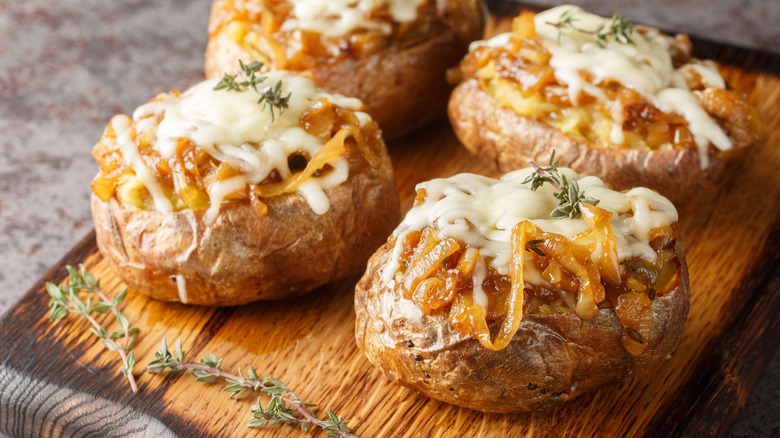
(625, 103)
(391, 54)
(482, 299)
(209, 197)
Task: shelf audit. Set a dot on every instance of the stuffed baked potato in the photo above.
(210, 197)
(391, 54)
(628, 104)
(483, 298)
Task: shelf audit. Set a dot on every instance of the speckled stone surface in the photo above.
(66, 67)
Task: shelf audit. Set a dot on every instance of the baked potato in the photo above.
(391, 54)
(212, 197)
(484, 298)
(625, 103)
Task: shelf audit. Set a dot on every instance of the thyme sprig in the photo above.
(284, 403)
(284, 407)
(270, 97)
(569, 194)
(65, 299)
(619, 29)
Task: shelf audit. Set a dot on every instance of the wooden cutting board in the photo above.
(55, 380)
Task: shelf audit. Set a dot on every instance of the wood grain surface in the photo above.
(55, 380)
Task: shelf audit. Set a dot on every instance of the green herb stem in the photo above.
(619, 29)
(546, 170)
(271, 97)
(284, 407)
(569, 195)
(66, 300)
(284, 402)
(125, 327)
(255, 384)
(110, 344)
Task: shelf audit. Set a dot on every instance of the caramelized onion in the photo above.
(259, 30)
(187, 176)
(578, 268)
(334, 148)
(430, 256)
(739, 118)
(576, 260)
(668, 278)
(600, 229)
(522, 67)
(634, 311)
(434, 293)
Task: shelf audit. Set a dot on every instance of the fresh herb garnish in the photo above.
(270, 97)
(619, 29)
(284, 403)
(65, 299)
(565, 23)
(284, 407)
(249, 71)
(569, 195)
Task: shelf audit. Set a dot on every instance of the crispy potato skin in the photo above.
(402, 87)
(551, 358)
(501, 136)
(243, 257)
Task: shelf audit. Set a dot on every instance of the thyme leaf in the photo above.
(284, 406)
(619, 29)
(565, 23)
(66, 299)
(270, 97)
(569, 194)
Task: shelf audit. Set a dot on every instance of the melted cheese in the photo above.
(232, 127)
(477, 280)
(500, 40)
(181, 285)
(645, 66)
(334, 18)
(218, 192)
(481, 213)
(129, 148)
(708, 72)
(642, 66)
(701, 125)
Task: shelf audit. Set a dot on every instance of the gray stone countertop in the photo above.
(65, 68)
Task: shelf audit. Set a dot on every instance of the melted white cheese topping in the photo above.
(645, 66)
(129, 149)
(232, 127)
(481, 212)
(181, 285)
(340, 17)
